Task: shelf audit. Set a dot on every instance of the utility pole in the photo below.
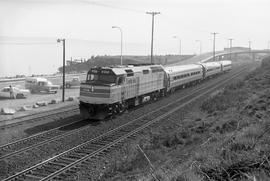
(64, 67)
(121, 56)
(249, 47)
(230, 39)
(180, 45)
(214, 45)
(152, 39)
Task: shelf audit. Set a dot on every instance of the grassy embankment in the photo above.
(226, 139)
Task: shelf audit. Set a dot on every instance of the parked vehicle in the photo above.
(37, 84)
(74, 82)
(17, 92)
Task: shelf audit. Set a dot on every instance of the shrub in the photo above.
(232, 95)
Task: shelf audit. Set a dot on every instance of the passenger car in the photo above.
(19, 93)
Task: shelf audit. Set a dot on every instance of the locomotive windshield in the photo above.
(101, 78)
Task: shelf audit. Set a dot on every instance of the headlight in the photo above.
(85, 89)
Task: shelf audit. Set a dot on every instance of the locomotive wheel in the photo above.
(91, 111)
(122, 107)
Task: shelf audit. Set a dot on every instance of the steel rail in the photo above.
(55, 132)
(37, 116)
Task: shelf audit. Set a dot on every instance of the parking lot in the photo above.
(36, 97)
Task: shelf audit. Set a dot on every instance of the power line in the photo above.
(27, 43)
(111, 6)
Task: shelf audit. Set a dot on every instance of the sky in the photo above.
(29, 29)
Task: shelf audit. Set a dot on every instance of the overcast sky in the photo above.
(29, 28)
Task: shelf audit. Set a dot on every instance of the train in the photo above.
(108, 91)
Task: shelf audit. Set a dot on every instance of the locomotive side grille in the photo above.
(94, 90)
(90, 94)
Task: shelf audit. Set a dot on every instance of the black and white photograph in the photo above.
(134, 90)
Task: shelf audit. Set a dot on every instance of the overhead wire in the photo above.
(106, 5)
(111, 6)
(27, 43)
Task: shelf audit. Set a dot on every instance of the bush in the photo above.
(232, 95)
(168, 140)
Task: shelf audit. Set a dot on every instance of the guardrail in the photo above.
(49, 76)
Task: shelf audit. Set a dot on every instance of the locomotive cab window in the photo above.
(41, 83)
(120, 80)
(101, 78)
(145, 71)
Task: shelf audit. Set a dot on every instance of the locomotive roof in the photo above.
(121, 69)
(182, 68)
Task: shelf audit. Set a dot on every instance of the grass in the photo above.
(232, 95)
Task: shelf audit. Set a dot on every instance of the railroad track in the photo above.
(45, 137)
(50, 114)
(70, 161)
(40, 139)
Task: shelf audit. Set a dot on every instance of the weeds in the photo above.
(237, 132)
(231, 96)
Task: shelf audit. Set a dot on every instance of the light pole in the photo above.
(121, 56)
(230, 39)
(249, 47)
(214, 45)
(64, 68)
(200, 45)
(268, 45)
(179, 44)
(152, 39)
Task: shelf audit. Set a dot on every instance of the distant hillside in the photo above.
(95, 61)
(84, 66)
